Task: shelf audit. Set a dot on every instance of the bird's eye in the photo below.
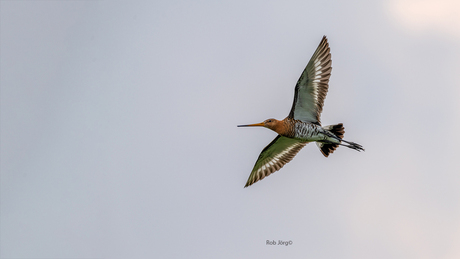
(269, 120)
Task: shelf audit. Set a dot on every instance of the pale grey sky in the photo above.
(119, 139)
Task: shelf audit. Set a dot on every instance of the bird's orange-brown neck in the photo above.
(283, 127)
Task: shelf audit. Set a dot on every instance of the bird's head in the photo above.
(272, 124)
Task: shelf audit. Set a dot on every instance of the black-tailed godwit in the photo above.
(302, 125)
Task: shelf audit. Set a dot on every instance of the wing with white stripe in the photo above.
(274, 156)
(312, 86)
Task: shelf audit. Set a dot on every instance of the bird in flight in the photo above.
(302, 125)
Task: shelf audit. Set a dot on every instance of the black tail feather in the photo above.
(328, 148)
(338, 130)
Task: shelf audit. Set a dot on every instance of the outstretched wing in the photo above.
(311, 89)
(274, 156)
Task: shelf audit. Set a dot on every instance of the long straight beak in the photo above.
(253, 125)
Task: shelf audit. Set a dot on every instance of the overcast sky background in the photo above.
(119, 138)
